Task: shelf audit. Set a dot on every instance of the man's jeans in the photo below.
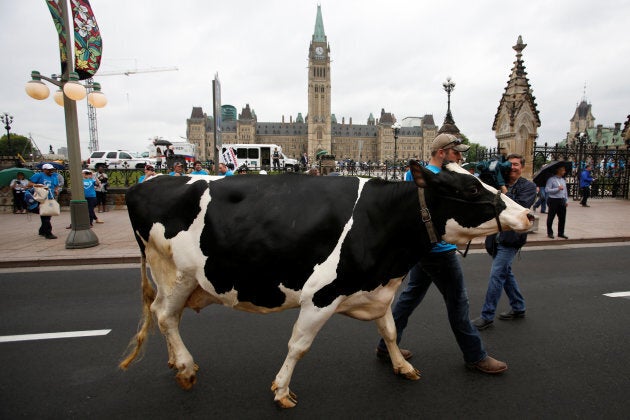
(445, 271)
(502, 278)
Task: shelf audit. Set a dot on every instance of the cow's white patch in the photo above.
(326, 272)
(460, 235)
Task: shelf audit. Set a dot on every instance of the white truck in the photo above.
(256, 156)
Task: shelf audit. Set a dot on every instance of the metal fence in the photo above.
(610, 168)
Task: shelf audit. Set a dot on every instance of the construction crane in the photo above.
(92, 121)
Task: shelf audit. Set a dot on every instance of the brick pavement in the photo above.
(21, 246)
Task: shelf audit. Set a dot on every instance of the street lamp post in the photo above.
(7, 119)
(449, 86)
(81, 236)
(396, 128)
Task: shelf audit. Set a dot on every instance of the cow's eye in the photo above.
(474, 190)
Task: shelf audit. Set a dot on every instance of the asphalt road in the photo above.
(569, 358)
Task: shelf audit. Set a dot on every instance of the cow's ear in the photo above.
(421, 176)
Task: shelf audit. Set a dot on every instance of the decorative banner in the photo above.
(55, 11)
(88, 45)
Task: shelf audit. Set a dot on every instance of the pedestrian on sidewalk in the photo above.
(48, 179)
(101, 191)
(18, 185)
(149, 172)
(558, 200)
(507, 244)
(585, 184)
(542, 200)
(89, 188)
(178, 169)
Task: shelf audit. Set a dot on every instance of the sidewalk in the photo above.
(21, 246)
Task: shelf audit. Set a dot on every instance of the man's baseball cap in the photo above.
(448, 141)
(48, 166)
(177, 164)
(86, 171)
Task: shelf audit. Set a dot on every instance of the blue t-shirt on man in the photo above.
(51, 181)
(441, 246)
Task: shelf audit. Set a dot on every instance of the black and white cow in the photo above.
(327, 245)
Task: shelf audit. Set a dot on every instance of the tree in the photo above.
(19, 144)
(476, 151)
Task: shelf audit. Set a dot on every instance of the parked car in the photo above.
(120, 159)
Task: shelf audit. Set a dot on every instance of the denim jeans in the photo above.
(444, 270)
(502, 278)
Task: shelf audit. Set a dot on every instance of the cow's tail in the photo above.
(146, 322)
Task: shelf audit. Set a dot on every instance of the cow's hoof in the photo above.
(412, 375)
(186, 382)
(288, 401)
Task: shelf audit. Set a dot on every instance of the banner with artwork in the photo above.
(88, 45)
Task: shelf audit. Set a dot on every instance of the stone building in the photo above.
(319, 131)
(516, 121)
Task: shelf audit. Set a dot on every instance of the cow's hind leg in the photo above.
(387, 329)
(168, 308)
(308, 324)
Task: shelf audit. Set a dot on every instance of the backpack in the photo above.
(30, 202)
(494, 172)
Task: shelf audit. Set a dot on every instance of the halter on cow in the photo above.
(326, 245)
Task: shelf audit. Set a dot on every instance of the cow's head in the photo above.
(464, 208)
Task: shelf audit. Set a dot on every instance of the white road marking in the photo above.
(617, 294)
(50, 336)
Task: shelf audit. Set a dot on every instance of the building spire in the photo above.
(318, 34)
(518, 90)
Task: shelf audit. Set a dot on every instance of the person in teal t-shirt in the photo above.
(442, 267)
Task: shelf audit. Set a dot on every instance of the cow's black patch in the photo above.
(275, 233)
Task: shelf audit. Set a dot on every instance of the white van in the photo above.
(256, 156)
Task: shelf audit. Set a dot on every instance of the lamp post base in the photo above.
(81, 236)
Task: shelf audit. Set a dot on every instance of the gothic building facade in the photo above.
(583, 121)
(319, 131)
(517, 120)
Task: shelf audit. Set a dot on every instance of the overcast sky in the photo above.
(393, 55)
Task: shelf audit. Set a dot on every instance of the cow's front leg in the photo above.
(308, 324)
(168, 307)
(387, 329)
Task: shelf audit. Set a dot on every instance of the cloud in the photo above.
(392, 55)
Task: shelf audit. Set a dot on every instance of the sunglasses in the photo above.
(455, 142)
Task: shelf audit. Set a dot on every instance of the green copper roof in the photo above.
(319, 35)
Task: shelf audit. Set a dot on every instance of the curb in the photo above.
(62, 261)
(65, 261)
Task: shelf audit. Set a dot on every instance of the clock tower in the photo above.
(319, 112)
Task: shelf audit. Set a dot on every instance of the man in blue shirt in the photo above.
(199, 169)
(441, 266)
(46, 178)
(178, 169)
(224, 171)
